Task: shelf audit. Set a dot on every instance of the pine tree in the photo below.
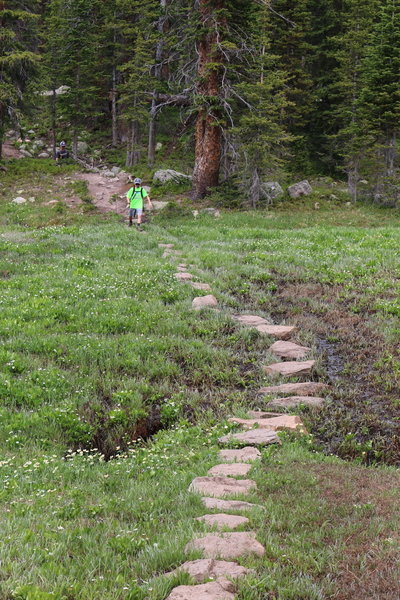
(18, 62)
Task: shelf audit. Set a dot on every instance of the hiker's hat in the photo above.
(62, 143)
(137, 180)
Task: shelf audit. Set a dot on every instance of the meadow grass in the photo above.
(100, 350)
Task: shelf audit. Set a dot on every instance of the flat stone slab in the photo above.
(222, 520)
(247, 454)
(289, 350)
(261, 414)
(230, 470)
(220, 487)
(274, 423)
(228, 504)
(165, 245)
(182, 269)
(209, 568)
(291, 368)
(183, 276)
(227, 545)
(182, 266)
(251, 320)
(255, 437)
(293, 401)
(281, 332)
(214, 590)
(307, 388)
(204, 301)
(200, 286)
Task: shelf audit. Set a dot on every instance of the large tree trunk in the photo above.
(133, 152)
(208, 128)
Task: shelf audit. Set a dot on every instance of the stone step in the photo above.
(230, 469)
(307, 388)
(247, 454)
(227, 545)
(200, 286)
(289, 369)
(220, 487)
(215, 590)
(234, 505)
(281, 332)
(204, 301)
(253, 437)
(274, 423)
(291, 350)
(165, 246)
(261, 414)
(182, 268)
(293, 401)
(223, 521)
(183, 276)
(251, 320)
(209, 568)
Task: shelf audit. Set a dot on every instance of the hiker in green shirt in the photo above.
(135, 198)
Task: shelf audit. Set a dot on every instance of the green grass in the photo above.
(100, 349)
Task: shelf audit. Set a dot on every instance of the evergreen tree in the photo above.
(18, 60)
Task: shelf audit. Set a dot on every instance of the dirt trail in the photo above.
(108, 193)
(9, 151)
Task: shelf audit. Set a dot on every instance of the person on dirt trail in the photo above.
(62, 152)
(135, 198)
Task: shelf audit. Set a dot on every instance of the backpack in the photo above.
(134, 192)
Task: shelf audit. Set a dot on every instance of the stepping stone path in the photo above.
(288, 369)
(220, 487)
(209, 568)
(307, 388)
(260, 437)
(289, 350)
(183, 276)
(220, 481)
(230, 469)
(293, 401)
(247, 454)
(223, 521)
(204, 301)
(227, 545)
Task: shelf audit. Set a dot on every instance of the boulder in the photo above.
(307, 388)
(115, 170)
(204, 301)
(234, 469)
(108, 173)
(247, 454)
(19, 200)
(164, 175)
(302, 188)
(227, 545)
(223, 521)
(220, 487)
(270, 190)
(289, 369)
(214, 212)
(44, 155)
(159, 204)
(288, 350)
(207, 568)
(26, 153)
(219, 504)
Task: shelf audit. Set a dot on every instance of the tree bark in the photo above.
(208, 132)
(133, 153)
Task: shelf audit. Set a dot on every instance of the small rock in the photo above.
(288, 350)
(26, 153)
(183, 276)
(43, 155)
(215, 590)
(274, 423)
(219, 504)
(195, 213)
(31, 199)
(19, 200)
(288, 369)
(204, 301)
(222, 521)
(164, 175)
(317, 206)
(158, 204)
(307, 388)
(221, 486)
(247, 454)
(254, 437)
(260, 414)
(293, 401)
(116, 170)
(208, 568)
(20, 191)
(158, 146)
(165, 245)
(108, 173)
(270, 190)
(227, 545)
(302, 188)
(282, 332)
(251, 320)
(200, 286)
(230, 470)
